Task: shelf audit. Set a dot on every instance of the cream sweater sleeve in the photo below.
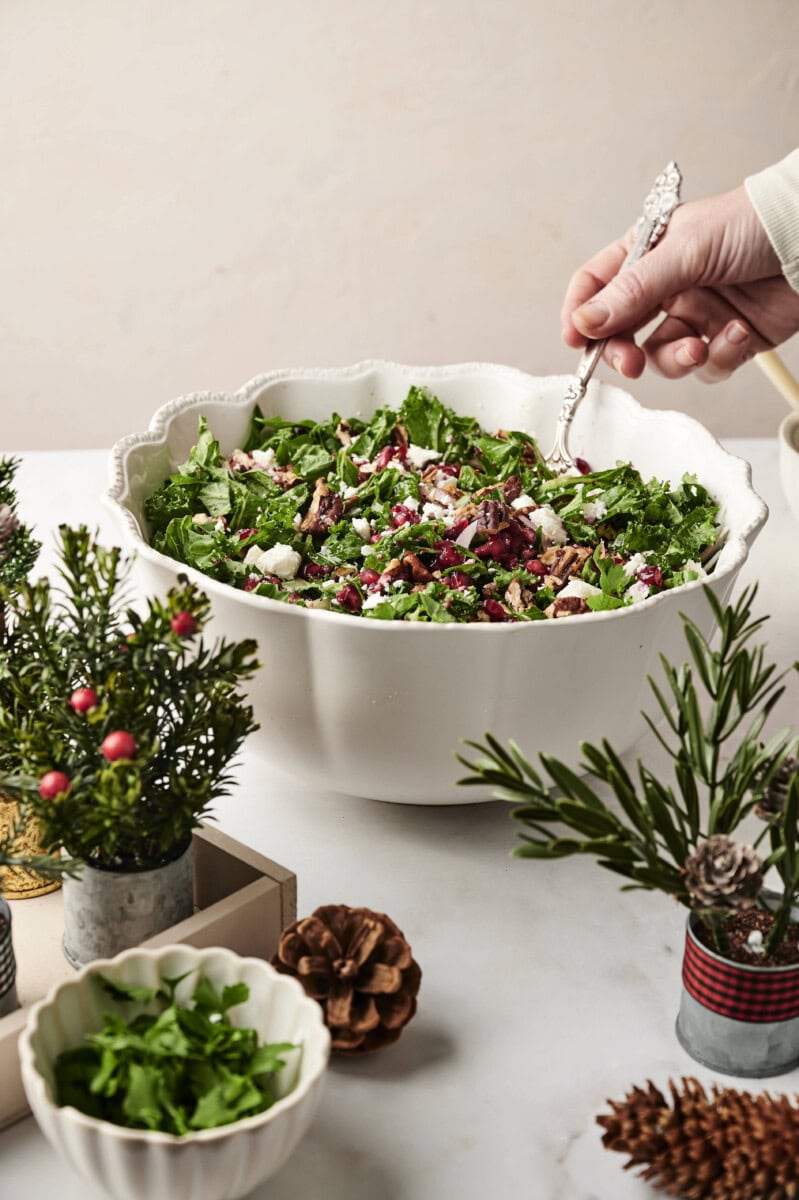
(775, 196)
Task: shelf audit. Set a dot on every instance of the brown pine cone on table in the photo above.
(721, 1144)
(359, 967)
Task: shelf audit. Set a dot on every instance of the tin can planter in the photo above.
(735, 1018)
(8, 965)
(108, 911)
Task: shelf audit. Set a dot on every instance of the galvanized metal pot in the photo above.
(736, 1018)
(107, 911)
(8, 965)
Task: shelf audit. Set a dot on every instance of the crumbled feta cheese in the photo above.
(420, 456)
(220, 525)
(594, 510)
(412, 503)
(637, 591)
(579, 587)
(597, 491)
(297, 520)
(349, 492)
(523, 501)
(278, 560)
(202, 518)
(265, 459)
(634, 564)
(372, 600)
(362, 528)
(550, 524)
(436, 512)
(367, 548)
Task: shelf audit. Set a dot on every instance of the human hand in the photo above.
(714, 274)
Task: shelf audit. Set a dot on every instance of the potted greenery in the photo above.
(740, 1005)
(18, 552)
(117, 730)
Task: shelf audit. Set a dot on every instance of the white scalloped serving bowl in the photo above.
(379, 708)
(212, 1164)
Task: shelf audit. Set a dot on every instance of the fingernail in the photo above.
(737, 333)
(685, 358)
(617, 363)
(593, 313)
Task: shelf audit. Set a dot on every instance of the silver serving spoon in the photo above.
(658, 207)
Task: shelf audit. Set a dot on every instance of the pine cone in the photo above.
(723, 873)
(772, 802)
(728, 1145)
(8, 523)
(359, 967)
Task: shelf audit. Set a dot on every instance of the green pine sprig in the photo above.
(656, 823)
(179, 697)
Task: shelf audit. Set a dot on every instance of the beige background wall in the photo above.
(197, 190)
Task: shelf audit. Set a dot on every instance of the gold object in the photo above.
(19, 883)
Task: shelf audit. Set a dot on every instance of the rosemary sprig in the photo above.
(657, 824)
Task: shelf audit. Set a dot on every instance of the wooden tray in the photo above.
(242, 901)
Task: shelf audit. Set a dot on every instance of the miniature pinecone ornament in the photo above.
(359, 967)
(727, 1145)
(723, 873)
(773, 800)
(8, 523)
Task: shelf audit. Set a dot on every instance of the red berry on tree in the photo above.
(184, 624)
(118, 745)
(83, 699)
(53, 784)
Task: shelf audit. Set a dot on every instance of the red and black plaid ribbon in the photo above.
(735, 991)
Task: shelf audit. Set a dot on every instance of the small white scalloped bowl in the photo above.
(212, 1164)
(379, 708)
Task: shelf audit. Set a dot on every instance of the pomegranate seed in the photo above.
(368, 577)
(458, 579)
(251, 582)
(535, 566)
(245, 533)
(402, 454)
(375, 538)
(314, 571)
(350, 598)
(493, 548)
(582, 466)
(495, 610)
(400, 515)
(448, 469)
(450, 556)
(452, 531)
(651, 575)
(384, 458)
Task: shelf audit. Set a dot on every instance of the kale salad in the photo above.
(419, 514)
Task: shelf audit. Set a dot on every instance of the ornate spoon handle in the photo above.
(658, 207)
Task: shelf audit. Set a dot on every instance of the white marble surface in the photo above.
(545, 989)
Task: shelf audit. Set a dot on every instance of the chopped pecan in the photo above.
(419, 572)
(325, 510)
(565, 561)
(391, 571)
(286, 477)
(399, 435)
(566, 606)
(491, 517)
(343, 433)
(519, 597)
(512, 488)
